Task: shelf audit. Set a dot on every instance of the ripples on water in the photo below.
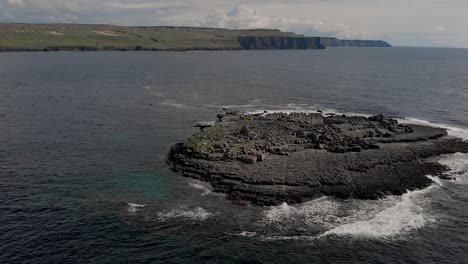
(84, 136)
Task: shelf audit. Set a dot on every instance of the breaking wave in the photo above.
(199, 186)
(196, 213)
(386, 218)
(133, 207)
(404, 216)
(458, 164)
(435, 180)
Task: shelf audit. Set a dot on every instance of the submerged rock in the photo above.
(310, 155)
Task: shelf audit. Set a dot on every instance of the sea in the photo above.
(84, 136)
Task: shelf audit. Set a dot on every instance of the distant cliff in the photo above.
(344, 43)
(275, 42)
(302, 42)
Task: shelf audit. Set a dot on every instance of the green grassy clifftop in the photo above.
(40, 37)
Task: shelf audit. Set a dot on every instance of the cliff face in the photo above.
(279, 42)
(300, 42)
(342, 43)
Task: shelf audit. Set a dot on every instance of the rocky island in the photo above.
(268, 159)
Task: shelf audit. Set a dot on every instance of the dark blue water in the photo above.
(83, 138)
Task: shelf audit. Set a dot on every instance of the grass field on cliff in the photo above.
(42, 36)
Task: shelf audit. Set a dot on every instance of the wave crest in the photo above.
(386, 218)
(133, 207)
(458, 164)
(406, 215)
(196, 213)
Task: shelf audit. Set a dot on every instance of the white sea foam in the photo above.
(385, 218)
(199, 186)
(133, 207)
(322, 213)
(268, 238)
(452, 130)
(404, 216)
(196, 213)
(246, 234)
(458, 164)
(436, 180)
(279, 213)
(316, 212)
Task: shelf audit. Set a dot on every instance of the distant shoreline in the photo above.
(48, 50)
(85, 37)
(90, 49)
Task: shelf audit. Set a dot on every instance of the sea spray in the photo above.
(385, 218)
(133, 207)
(190, 213)
(436, 180)
(201, 186)
(458, 164)
(404, 216)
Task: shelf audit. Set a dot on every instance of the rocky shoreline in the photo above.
(268, 159)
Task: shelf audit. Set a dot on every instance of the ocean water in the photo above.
(83, 138)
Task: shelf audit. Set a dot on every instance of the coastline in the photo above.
(85, 37)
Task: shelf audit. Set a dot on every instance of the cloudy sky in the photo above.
(401, 22)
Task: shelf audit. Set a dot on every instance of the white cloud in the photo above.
(38, 5)
(243, 17)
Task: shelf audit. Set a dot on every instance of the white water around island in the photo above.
(388, 218)
(185, 212)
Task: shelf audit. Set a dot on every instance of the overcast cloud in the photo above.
(401, 22)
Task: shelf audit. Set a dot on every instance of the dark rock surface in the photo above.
(279, 42)
(269, 159)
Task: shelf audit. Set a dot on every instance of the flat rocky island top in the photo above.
(269, 159)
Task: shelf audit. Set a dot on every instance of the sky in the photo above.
(440, 23)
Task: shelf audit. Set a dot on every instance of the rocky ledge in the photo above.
(269, 159)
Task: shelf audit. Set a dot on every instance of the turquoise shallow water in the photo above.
(83, 138)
